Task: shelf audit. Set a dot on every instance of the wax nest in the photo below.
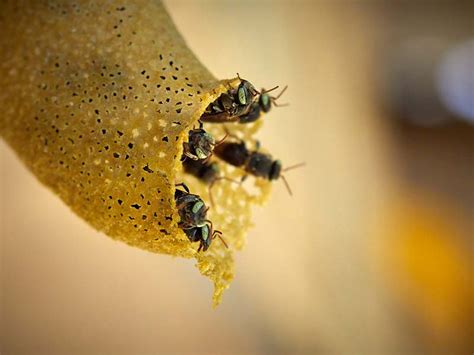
(97, 100)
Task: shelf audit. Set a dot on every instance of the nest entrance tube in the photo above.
(98, 98)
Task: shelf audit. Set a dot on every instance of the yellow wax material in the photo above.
(97, 99)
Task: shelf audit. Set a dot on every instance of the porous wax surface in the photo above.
(97, 99)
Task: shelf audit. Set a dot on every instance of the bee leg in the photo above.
(183, 185)
(185, 226)
(229, 134)
(218, 234)
(207, 159)
(181, 205)
(190, 156)
(187, 153)
(211, 197)
(218, 143)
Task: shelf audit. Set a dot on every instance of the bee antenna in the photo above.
(287, 185)
(294, 166)
(279, 105)
(281, 93)
(270, 90)
(275, 98)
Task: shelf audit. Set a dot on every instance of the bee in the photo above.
(253, 162)
(200, 144)
(243, 105)
(192, 212)
(232, 104)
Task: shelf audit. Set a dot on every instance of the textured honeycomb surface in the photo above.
(97, 98)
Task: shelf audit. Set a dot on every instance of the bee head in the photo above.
(246, 93)
(204, 145)
(275, 170)
(265, 102)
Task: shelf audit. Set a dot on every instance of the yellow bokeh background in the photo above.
(372, 254)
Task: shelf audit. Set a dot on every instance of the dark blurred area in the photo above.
(372, 255)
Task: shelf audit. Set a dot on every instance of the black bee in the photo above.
(192, 212)
(253, 162)
(191, 208)
(232, 104)
(243, 105)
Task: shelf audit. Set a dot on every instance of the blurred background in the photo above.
(372, 255)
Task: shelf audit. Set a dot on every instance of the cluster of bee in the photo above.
(243, 104)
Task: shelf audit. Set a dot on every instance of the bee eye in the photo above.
(265, 102)
(205, 232)
(201, 154)
(242, 94)
(275, 170)
(197, 206)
